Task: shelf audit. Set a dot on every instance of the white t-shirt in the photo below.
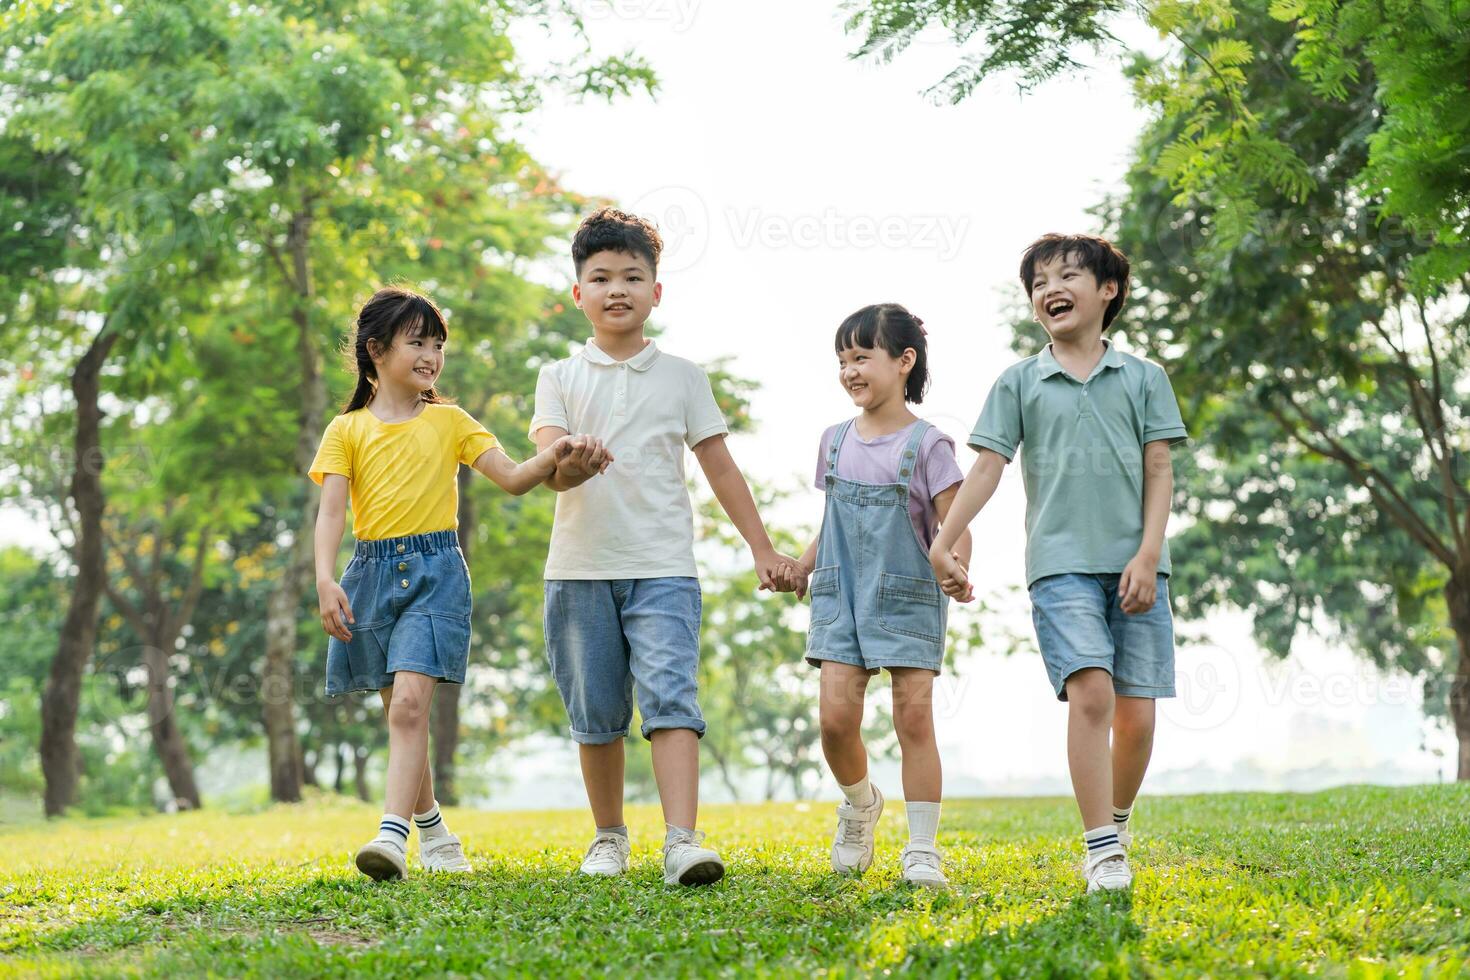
(634, 521)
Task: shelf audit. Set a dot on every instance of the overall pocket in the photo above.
(826, 595)
(910, 607)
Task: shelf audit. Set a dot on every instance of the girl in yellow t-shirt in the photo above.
(399, 621)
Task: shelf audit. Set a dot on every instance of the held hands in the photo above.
(952, 573)
(580, 458)
(1138, 584)
(780, 573)
(335, 609)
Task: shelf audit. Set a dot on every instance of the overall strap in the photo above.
(837, 438)
(910, 457)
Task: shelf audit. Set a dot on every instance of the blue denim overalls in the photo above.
(875, 602)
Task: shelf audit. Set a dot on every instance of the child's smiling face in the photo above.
(1067, 300)
(413, 362)
(871, 376)
(617, 291)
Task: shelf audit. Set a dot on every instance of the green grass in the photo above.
(1358, 882)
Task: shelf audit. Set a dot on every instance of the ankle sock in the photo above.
(430, 824)
(393, 829)
(673, 832)
(1102, 840)
(923, 822)
(621, 830)
(1121, 815)
(859, 794)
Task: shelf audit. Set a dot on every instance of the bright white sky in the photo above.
(793, 187)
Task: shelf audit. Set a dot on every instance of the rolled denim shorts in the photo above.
(1080, 624)
(606, 638)
(410, 600)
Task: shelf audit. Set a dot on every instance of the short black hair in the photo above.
(611, 230)
(894, 329)
(1097, 255)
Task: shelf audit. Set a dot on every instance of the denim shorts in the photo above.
(606, 637)
(410, 600)
(1080, 623)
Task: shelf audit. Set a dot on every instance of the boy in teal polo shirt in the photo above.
(1097, 425)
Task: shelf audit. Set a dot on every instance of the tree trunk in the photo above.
(282, 610)
(445, 718)
(359, 773)
(1457, 596)
(62, 696)
(163, 725)
(341, 768)
(309, 762)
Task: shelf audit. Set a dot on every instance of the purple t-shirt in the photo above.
(876, 461)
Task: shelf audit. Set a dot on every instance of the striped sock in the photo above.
(430, 824)
(1102, 841)
(1121, 815)
(393, 829)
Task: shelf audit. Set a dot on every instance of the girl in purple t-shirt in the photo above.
(889, 478)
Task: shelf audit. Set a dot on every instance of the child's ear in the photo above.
(1109, 289)
(577, 295)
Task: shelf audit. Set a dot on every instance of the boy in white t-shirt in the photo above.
(622, 593)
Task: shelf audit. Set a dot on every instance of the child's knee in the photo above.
(913, 723)
(409, 713)
(840, 723)
(1090, 696)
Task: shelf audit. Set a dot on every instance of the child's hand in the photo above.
(581, 457)
(1138, 585)
(789, 576)
(953, 576)
(335, 609)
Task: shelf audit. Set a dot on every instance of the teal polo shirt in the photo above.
(1083, 455)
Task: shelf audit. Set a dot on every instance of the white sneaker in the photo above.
(1107, 872)
(852, 844)
(1125, 836)
(686, 863)
(921, 866)
(608, 856)
(443, 854)
(382, 861)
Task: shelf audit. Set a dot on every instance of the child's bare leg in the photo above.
(425, 800)
(676, 770)
(843, 688)
(408, 742)
(1089, 719)
(1133, 743)
(602, 775)
(913, 721)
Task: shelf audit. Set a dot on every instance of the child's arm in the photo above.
(519, 478)
(952, 587)
(331, 520)
(1138, 584)
(588, 458)
(775, 571)
(974, 493)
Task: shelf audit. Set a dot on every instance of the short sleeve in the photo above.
(941, 469)
(471, 439)
(702, 417)
(999, 426)
(551, 406)
(1161, 418)
(334, 455)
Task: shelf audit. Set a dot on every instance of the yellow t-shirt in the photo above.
(401, 475)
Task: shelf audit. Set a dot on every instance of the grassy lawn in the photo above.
(1361, 882)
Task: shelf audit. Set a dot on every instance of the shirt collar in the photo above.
(1112, 358)
(641, 361)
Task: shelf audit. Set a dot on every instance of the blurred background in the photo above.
(195, 197)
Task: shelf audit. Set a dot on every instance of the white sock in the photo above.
(430, 824)
(672, 831)
(1102, 840)
(923, 822)
(393, 829)
(621, 830)
(1121, 815)
(859, 794)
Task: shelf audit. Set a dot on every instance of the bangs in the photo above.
(860, 330)
(419, 318)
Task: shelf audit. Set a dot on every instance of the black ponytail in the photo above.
(392, 310)
(894, 329)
